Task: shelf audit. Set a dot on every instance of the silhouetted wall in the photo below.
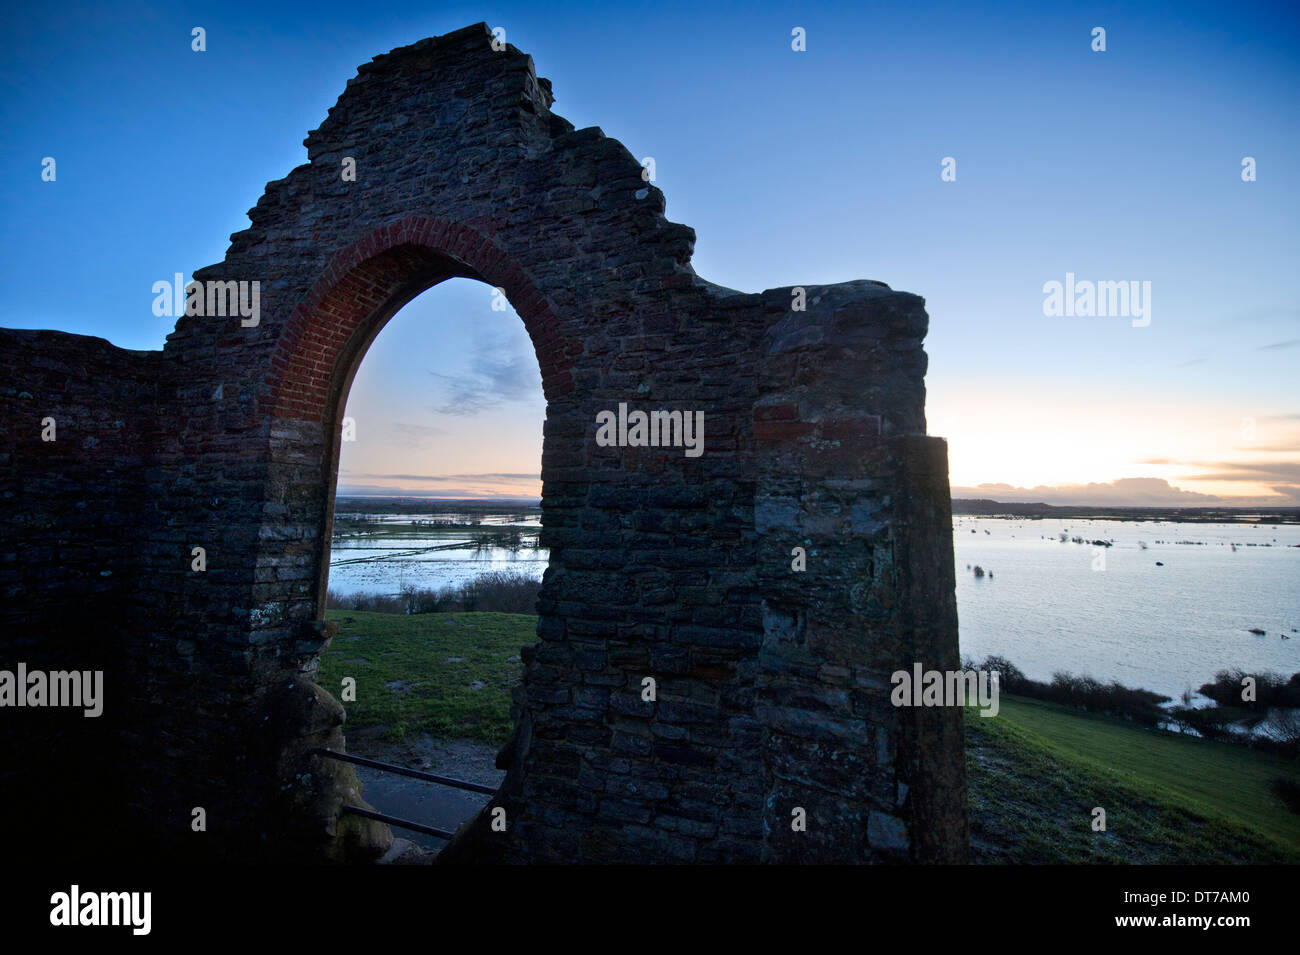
(773, 685)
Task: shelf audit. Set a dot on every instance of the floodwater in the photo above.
(1164, 606)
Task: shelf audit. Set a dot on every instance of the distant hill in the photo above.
(1204, 515)
(405, 504)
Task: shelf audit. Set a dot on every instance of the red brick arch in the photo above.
(369, 280)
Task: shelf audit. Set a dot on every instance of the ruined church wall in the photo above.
(772, 683)
(76, 430)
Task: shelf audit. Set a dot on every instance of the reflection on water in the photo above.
(382, 553)
(1163, 607)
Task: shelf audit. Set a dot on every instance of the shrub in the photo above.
(1141, 706)
(1010, 678)
(499, 592)
(1271, 689)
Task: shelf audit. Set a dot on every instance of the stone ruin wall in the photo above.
(773, 686)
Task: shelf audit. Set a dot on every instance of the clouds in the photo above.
(1125, 492)
(449, 493)
(1286, 447)
(1251, 472)
(416, 435)
(438, 478)
(1281, 317)
(1282, 477)
(508, 485)
(1254, 472)
(1151, 492)
(502, 369)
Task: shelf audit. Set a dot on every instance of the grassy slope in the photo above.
(1035, 772)
(438, 658)
(1209, 777)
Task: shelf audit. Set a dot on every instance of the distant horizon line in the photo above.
(536, 501)
(1283, 481)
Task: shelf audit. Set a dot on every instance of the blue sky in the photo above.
(793, 167)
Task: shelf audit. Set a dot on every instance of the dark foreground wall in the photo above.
(772, 684)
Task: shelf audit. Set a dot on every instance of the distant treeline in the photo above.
(426, 505)
(1084, 692)
(499, 592)
(1272, 694)
(1189, 515)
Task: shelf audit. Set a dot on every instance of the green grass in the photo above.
(437, 658)
(1037, 770)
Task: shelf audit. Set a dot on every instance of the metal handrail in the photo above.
(402, 823)
(403, 771)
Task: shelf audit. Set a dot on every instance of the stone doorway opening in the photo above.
(316, 363)
(434, 561)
